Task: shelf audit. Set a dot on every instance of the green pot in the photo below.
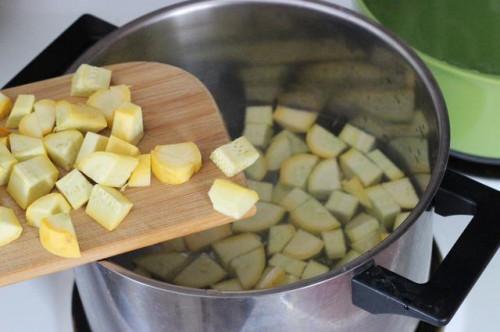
(472, 97)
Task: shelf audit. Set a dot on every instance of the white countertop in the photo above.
(26, 28)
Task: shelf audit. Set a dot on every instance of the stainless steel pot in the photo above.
(317, 56)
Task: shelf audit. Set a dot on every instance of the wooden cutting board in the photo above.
(176, 108)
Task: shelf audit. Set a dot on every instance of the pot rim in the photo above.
(340, 13)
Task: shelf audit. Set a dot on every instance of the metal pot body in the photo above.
(119, 302)
(304, 54)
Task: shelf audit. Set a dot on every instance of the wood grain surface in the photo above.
(176, 108)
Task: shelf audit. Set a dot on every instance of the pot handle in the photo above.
(378, 290)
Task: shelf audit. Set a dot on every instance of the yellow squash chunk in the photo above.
(323, 143)
(231, 199)
(175, 163)
(108, 100)
(384, 207)
(259, 115)
(294, 199)
(267, 215)
(201, 240)
(31, 179)
(45, 206)
(234, 157)
(26, 147)
(75, 188)
(127, 123)
(89, 79)
(258, 134)
(263, 189)
(391, 171)
(177, 245)
(10, 227)
(92, 142)
(335, 246)
(30, 126)
(296, 121)
(45, 110)
(279, 236)
(258, 170)
(230, 285)
(324, 178)
(354, 163)
(355, 188)
(80, 117)
(141, 176)
(202, 272)
(290, 265)
(4, 141)
(235, 246)
(22, 107)
(402, 192)
(163, 265)
(107, 206)
(119, 146)
(58, 236)
(303, 245)
(7, 161)
(342, 205)
(249, 267)
(272, 277)
(278, 151)
(296, 169)
(400, 218)
(361, 226)
(109, 169)
(5, 105)
(313, 217)
(314, 269)
(63, 147)
(289, 278)
(357, 138)
(351, 255)
(279, 192)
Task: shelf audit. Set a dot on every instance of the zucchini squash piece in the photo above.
(402, 192)
(259, 115)
(267, 215)
(355, 188)
(314, 269)
(323, 143)
(249, 267)
(342, 205)
(335, 246)
(163, 265)
(271, 277)
(234, 157)
(263, 189)
(313, 217)
(279, 236)
(230, 285)
(201, 240)
(357, 138)
(361, 226)
(296, 121)
(278, 151)
(290, 265)
(200, 273)
(296, 169)
(295, 198)
(384, 207)
(258, 170)
(258, 134)
(354, 163)
(303, 245)
(391, 171)
(235, 246)
(324, 178)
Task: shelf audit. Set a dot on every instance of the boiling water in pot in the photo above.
(351, 182)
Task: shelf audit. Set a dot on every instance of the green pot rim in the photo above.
(459, 71)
